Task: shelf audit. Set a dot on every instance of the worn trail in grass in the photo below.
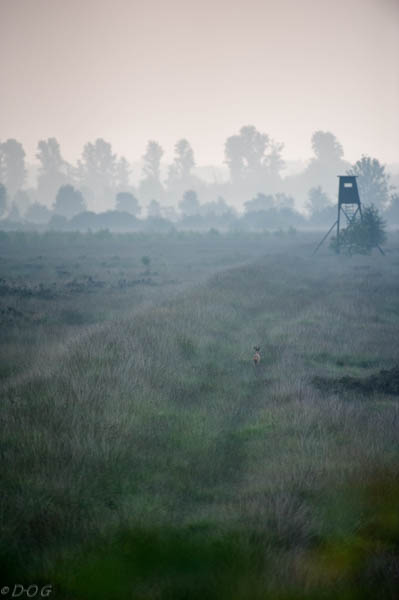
(152, 427)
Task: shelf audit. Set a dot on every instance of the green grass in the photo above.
(144, 456)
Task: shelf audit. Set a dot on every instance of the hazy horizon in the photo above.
(129, 72)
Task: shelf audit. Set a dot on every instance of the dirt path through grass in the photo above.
(161, 421)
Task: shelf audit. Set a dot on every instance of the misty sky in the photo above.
(130, 70)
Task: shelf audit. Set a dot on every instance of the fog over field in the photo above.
(90, 86)
(199, 299)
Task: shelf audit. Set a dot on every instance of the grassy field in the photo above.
(143, 455)
(53, 285)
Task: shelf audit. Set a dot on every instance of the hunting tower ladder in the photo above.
(349, 206)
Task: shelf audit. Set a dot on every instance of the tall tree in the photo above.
(317, 200)
(97, 171)
(69, 201)
(54, 171)
(234, 157)
(392, 214)
(183, 163)
(217, 208)
(12, 165)
(373, 181)
(284, 201)
(127, 202)
(362, 235)
(326, 147)
(326, 164)
(253, 156)
(261, 202)
(150, 185)
(274, 160)
(122, 174)
(152, 161)
(245, 152)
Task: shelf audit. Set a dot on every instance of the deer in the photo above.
(256, 357)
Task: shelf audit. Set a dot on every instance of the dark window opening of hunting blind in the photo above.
(348, 192)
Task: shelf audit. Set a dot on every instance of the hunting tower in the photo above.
(349, 206)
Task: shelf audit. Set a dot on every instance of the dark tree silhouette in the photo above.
(326, 147)
(97, 170)
(127, 202)
(218, 208)
(253, 156)
(84, 221)
(320, 208)
(170, 213)
(373, 181)
(318, 200)
(54, 171)
(322, 170)
(122, 173)
(58, 223)
(152, 161)
(284, 201)
(150, 185)
(69, 201)
(259, 203)
(274, 160)
(183, 162)
(146, 261)
(3, 199)
(12, 165)
(189, 205)
(362, 235)
(38, 213)
(245, 153)
(115, 220)
(234, 158)
(392, 213)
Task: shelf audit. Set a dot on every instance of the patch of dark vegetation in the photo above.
(84, 284)
(10, 313)
(6, 370)
(356, 558)
(186, 346)
(62, 272)
(22, 290)
(385, 382)
(345, 360)
(125, 283)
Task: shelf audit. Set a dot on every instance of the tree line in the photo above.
(101, 180)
